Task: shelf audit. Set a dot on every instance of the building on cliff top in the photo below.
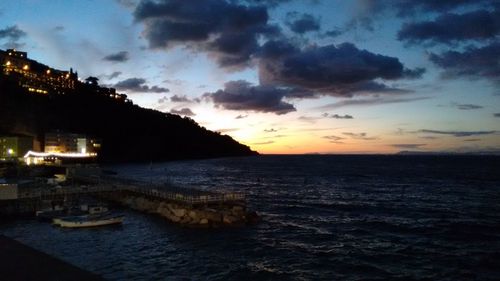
(39, 78)
(34, 76)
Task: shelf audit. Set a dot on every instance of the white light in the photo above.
(10, 151)
(59, 154)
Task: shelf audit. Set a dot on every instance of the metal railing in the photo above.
(170, 193)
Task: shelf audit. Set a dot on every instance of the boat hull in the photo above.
(88, 222)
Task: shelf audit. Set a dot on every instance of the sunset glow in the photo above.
(298, 77)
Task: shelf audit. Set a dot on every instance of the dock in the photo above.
(183, 205)
(106, 185)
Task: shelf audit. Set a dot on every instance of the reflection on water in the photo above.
(325, 217)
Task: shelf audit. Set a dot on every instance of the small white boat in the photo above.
(88, 221)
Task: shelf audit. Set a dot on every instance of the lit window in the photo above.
(8, 63)
(26, 67)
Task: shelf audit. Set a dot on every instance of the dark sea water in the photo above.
(324, 218)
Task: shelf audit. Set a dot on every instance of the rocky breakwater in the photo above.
(227, 214)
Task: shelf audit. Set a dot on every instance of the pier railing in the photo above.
(107, 185)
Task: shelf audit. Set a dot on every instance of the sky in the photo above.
(284, 76)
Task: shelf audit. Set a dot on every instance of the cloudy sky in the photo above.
(284, 76)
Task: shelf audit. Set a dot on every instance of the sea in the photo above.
(324, 217)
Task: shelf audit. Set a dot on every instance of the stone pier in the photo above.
(200, 215)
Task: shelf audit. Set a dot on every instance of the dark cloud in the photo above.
(302, 23)
(473, 62)
(428, 137)
(270, 130)
(241, 95)
(457, 133)
(333, 33)
(13, 45)
(414, 73)
(241, 116)
(183, 111)
(137, 85)
(467, 106)
(406, 8)
(229, 31)
(58, 28)
(176, 98)
(368, 11)
(130, 4)
(227, 130)
(452, 28)
(342, 70)
(269, 3)
(496, 114)
(370, 101)
(408, 145)
(308, 119)
(336, 116)
(163, 100)
(13, 33)
(263, 143)
(122, 56)
(114, 74)
(334, 139)
(359, 136)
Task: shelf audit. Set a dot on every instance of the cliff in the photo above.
(128, 132)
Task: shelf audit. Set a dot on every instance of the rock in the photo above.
(212, 215)
(179, 212)
(194, 221)
(229, 219)
(238, 209)
(185, 220)
(193, 215)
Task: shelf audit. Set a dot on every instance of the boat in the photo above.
(49, 214)
(88, 220)
(61, 211)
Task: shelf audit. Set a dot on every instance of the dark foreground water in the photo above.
(324, 218)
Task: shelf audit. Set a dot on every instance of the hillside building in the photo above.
(34, 76)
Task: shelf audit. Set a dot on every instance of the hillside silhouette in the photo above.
(127, 131)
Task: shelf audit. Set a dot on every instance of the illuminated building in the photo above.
(14, 147)
(64, 148)
(58, 142)
(38, 78)
(34, 76)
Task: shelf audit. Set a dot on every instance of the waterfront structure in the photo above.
(58, 142)
(64, 147)
(14, 147)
